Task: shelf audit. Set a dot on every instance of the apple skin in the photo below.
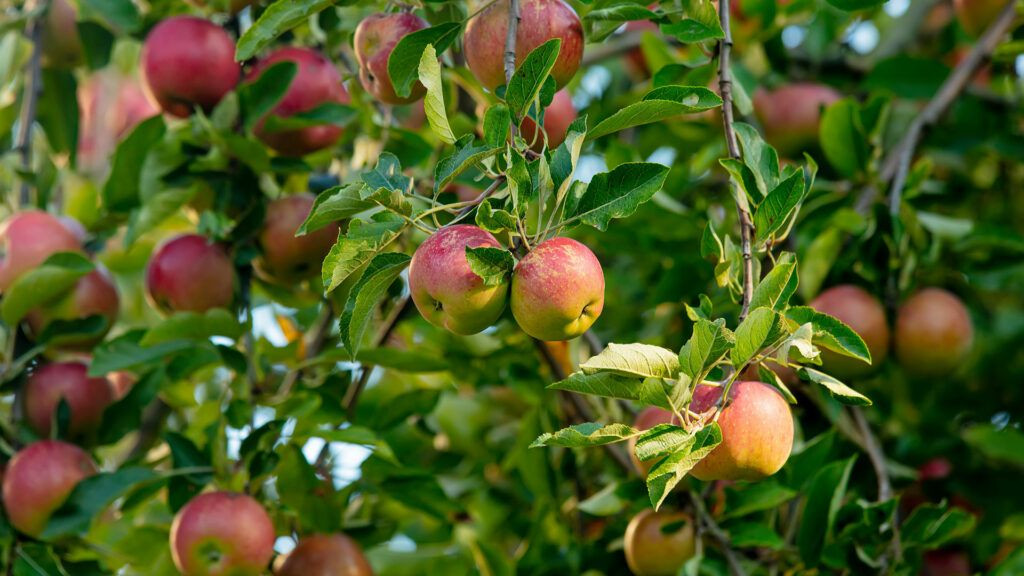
(27, 239)
(39, 479)
(946, 563)
(317, 82)
(790, 115)
(861, 311)
(444, 288)
(110, 105)
(539, 21)
(648, 418)
(977, 15)
(62, 45)
(86, 397)
(375, 38)
(94, 294)
(222, 534)
(188, 62)
(757, 432)
(652, 552)
(557, 119)
(287, 258)
(557, 290)
(189, 274)
(934, 333)
(326, 555)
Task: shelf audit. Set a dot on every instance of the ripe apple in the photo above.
(86, 397)
(322, 555)
(757, 432)
(790, 115)
(93, 295)
(946, 563)
(539, 21)
(934, 333)
(861, 311)
(557, 290)
(188, 62)
(659, 543)
(39, 479)
(287, 258)
(375, 38)
(648, 418)
(977, 15)
(557, 118)
(62, 45)
(189, 273)
(221, 534)
(445, 289)
(317, 82)
(110, 104)
(27, 239)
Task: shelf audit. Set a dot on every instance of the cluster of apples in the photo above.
(556, 291)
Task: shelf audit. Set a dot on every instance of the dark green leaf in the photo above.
(404, 61)
(493, 265)
(278, 18)
(382, 271)
(529, 77)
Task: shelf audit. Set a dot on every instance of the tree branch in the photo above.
(30, 101)
(742, 209)
(716, 532)
(510, 52)
(352, 396)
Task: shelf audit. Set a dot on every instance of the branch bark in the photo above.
(510, 51)
(30, 101)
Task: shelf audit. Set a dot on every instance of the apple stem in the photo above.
(30, 100)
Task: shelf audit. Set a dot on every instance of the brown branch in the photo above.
(873, 448)
(716, 532)
(314, 344)
(510, 52)
(149, 429)
(742, 209)
(30, 101)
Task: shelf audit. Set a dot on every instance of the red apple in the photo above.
(659, 543)
(188, 62)
(222, 534)
(375, 38)
(62, 45)
(39, 480)
(189, 273)
(790, 115)
(557, 118)
(317, 82)
(645, 420)
(636, 63)
(557, 290)
(757, 432)
(977, 15)
(95, 294)
(539, 21)
(27, 239)
(86, 397)
(865, 314)
(445, 289)
(321, 555)
(287, 258)
(946, 563)
(934, 333)
(110, 105)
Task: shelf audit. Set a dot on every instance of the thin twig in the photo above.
(510, 51)
(875, 454)
(716, 531)
(742, 209)
(314, 344)
(30, 101)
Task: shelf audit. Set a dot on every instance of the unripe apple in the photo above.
(659, 543)
(188, 273)
(865, 314)
(287, 258)
(557, 118)
(445, 289)
(62, 45)
(790, 115)
(188, 62)
(648, 418)
(375, 38)
(977, 15)
(539, 21)
(934, 333)
(317, 82)
(322, 555)
(86, 397)
(757, 432)
(27, 239)
(93, 295)
(39, 480)
(222, 534)
(557, 290)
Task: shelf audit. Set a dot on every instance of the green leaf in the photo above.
(617, 194)
(433, 102)
(278, 18)
(1001, 444)
(613, 499)
(689, 31)
(761, 158)
(119, 15)
(930, 526)
(497, 120)
(302, 491)
(121, 191)
(611, 385)
(493, 220)
(662, 440)
(778, 286)
(831, 332)
(466, 155)
(405, 59)
(633, 360)
(528, 79)
(659, 104)
(379, 275)
(125, 415)
(778, 206)
(363, 240)
(54, 278)
(855, 5)
(258, 97)
(761, 329)
(708, 344)
(90, 497)
(361, 436)
(817, 260)
(125, 353)
(842, 138)
(669, 472)
(58, 111)
(755, 497)
(824, 497)
(754, 535)
(412, 361)
(333, 205)
(328, 113)
(837, 389)
(194, 326)
(586, 434)
(493, 265)
(387, 174)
